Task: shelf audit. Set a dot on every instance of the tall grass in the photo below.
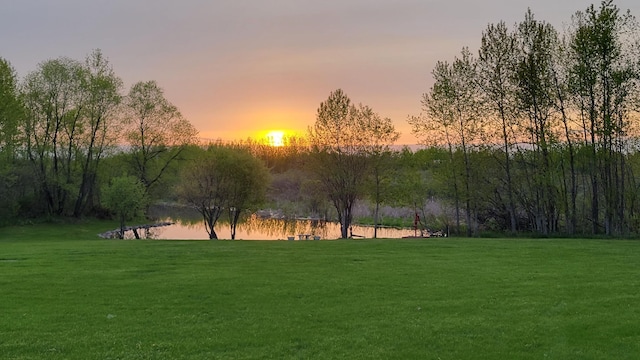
(65, 294)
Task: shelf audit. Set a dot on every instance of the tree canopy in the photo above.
(125, 196)
(343, 139)
(224, 179)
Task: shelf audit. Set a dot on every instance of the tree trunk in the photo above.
(234, 216)
(122, 219)
(375, 221)
(345, 225)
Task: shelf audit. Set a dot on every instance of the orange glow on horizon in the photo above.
(277, 137)
(271, 127)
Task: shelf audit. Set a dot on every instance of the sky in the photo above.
(238, 68)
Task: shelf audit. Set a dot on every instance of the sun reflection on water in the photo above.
(257, 228)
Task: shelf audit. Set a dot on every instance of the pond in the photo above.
(259, 228)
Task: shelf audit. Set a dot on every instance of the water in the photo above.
(257, 228)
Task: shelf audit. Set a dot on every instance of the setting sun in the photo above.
(275, 138)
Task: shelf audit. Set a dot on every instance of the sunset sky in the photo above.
(237, 68)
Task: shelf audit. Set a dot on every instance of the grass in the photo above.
(65, 294)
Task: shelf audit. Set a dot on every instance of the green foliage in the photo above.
(65, 119)
(347, 142)
(155, 131)
(279, 159)
(125, 196)
(11, 111)
(69, 295)
(11, 114)
(71, 122)
(540, 127)
(224, 179)
(537, 134)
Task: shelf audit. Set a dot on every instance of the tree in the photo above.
(249, 178)
(421, 179)
(435, 126)
(11, 114)
(125, 196)
(11, 110)
(451, 116)
(496, 74)
(379, 153)
(155, 131)
(101, 122)
(537, 42)
(380, 182)
(561, 87)
(55, 104)
(604, 76)
(222, 179)
(203, 187)
(342, 140)
(71, 120)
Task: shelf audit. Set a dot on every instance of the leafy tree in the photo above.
(155, 131)
(496, 75)
(11, 110)
(11, 114)
(604, 72)
(55, 103)
(66, 118)
(561, 88)
(249, 178)
(203, 187)
(435, 126)
(451, 116)
(72, 118)
(101, 123)
(342, 140)
(383, 135)
(537, 42)
(380, 183)
(125, 196)
(223, 178)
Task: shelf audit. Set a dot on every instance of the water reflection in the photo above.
(257, 228)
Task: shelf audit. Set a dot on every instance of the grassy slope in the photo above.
(67, 295)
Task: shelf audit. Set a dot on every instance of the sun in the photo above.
(275, 138)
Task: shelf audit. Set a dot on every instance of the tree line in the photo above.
(65, 123)
(535, 133)
(541, 127)
(74, 144)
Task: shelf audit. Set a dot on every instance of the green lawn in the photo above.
(65, 294)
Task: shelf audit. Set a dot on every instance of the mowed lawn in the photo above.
(66, 294)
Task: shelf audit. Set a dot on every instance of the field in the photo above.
(65, 294)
